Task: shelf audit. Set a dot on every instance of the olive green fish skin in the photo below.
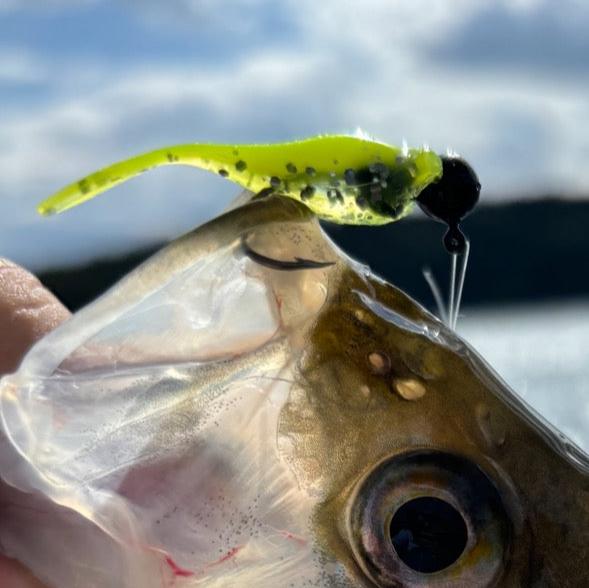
(342, 179)
(355, 414)
(382, 386)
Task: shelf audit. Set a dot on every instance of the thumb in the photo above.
(27, 312)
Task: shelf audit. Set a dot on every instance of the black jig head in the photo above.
(451, 198)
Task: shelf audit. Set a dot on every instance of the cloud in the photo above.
(265, 18)
(8, 7)
(13, 6)
(546, 38)
(20, 67)
(501, 81)
(341, 65)
(48, 146)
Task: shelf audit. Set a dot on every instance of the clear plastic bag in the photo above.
(145, 426)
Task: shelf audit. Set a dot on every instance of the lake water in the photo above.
(543, 353)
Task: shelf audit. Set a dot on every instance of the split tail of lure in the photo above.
(207, 157)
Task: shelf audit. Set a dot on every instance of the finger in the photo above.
(14, 575)
(27, 312)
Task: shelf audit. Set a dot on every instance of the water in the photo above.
(543, 353)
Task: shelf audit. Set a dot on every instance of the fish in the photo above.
(253, 407)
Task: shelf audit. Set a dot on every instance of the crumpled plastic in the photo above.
(139, 438)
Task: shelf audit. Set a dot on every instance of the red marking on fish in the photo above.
(178, 571)
(231, 553)
(226, 557)
(288, 535)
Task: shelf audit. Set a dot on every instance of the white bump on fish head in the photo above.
(492, 430)
(409, 388)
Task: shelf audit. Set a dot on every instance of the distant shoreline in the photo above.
(532, 251)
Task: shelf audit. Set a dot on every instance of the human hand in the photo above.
(27, 312)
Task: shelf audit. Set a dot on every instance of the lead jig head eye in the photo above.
(451, 198)
(454, 240)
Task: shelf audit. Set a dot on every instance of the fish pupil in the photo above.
(428, 534)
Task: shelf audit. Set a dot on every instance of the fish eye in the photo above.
(429, 518)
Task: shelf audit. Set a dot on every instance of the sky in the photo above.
(542, 353)
(85, 83)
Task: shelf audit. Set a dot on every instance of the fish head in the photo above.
(251, 407)
(432, 471)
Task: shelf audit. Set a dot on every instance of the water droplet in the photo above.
(275, 182)
(291, 168)
(310, 171)
(223, 172)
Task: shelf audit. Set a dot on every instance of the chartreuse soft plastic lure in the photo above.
(343, 179)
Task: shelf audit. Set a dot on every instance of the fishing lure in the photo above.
(343, 179)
